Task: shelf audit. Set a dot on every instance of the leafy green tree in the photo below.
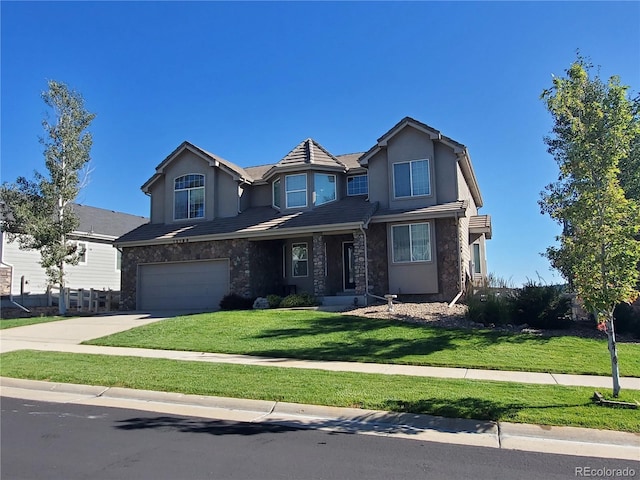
(37, 213)
(596, 128)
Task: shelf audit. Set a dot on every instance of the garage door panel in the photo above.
(185, 285)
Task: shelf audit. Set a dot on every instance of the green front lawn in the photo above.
(538, 404)
(21, 322)
(316, 335)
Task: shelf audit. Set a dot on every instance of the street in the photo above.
(66, 441)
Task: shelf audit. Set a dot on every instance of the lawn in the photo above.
(481, 400)
(21, 322)
(316, 335)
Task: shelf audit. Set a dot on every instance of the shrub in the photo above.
(541, 306)
(299, 300)
(488, 308)
(233, 301)
(627, 319)
(274, 300)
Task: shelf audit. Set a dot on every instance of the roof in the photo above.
(450, 209)
(107, 223)
(480, 224)
(211, 158)
(258, 222)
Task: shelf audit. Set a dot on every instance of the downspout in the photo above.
(366, 262)
(457, 297)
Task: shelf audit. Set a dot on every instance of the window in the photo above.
(358, 185)
(189, 197)
(81, 252)
(325, 188)
(411, 179)
(411, 243)
(477, 266)
(277, 192)
(299, 260)
(118, 260)
(296, 190)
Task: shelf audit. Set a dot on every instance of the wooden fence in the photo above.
(85, 300)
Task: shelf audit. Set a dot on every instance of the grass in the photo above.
(21, 322)
(316, 335)
(481, 400)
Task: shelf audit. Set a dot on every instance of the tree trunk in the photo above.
(613, 351)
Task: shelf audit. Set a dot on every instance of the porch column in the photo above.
(360, 262)
(319, 265)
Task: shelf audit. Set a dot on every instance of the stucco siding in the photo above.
(261, 195)
(157, 196)
(445, 166)
(411, 144)
(379, 179)
(226, 195)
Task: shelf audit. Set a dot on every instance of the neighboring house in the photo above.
(401, 218)
(22, 276)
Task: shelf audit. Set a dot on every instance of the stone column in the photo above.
(360, 262)
(319, 265)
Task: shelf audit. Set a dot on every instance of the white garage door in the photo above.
(183, 286)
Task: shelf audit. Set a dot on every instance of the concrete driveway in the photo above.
(75, 330)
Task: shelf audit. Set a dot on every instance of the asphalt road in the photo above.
(66, 441)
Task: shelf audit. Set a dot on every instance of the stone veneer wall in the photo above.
(318, 265)
(238, 251)
(447, 254)
(5, 281)
(377, 256)
(360, 266)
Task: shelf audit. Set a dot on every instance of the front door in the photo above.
(348, 266)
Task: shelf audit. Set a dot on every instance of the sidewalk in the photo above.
(66, 335)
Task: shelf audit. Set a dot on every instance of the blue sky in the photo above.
(249, 81)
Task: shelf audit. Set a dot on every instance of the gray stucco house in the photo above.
(401, 218)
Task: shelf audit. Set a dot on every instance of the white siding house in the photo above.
(99, 267)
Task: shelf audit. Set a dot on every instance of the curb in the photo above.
(503, 435)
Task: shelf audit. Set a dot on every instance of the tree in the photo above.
(596, 129)
(37, 213)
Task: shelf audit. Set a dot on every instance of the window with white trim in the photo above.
(358, 185)
(411, 179)
(324, 188)
(296, 190)
(276, 193)
(188, 197)
(81, 252)
(299, 260)
(118, 260)
(411, 242)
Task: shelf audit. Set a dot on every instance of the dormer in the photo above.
(192, 185)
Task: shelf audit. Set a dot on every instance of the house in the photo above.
(22, 277)
(401, 218)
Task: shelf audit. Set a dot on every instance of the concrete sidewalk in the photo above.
(66, 335)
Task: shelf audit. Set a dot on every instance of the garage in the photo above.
(197, 286)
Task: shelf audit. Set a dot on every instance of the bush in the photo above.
(299, 300)
(541, 306)
(274, 300)
(233, 301)
(488, 308)
(627, 319)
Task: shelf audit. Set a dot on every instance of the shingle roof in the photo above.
(441, 210)
(105, 222)
(309, 152)
(258, 222)
(481, 224)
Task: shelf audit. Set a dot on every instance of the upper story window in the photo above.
(277, 193)
(411, 243)
(411, 179)
(358, 185)
(296, 190)
(189, 197)
(325, 188)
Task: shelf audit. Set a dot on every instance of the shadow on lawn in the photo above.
(358, 345)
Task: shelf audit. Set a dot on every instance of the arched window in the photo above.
(188, 197)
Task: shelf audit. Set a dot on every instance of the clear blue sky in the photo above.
(248, 81)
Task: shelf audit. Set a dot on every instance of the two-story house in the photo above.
(401, 218)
